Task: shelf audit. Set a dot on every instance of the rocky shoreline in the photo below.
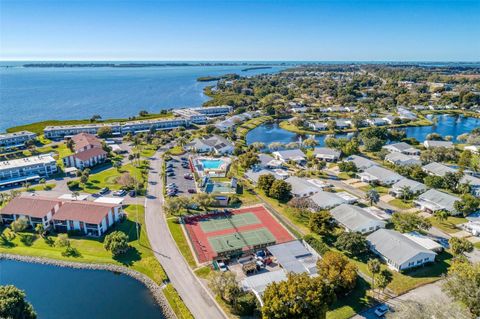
(155, 289)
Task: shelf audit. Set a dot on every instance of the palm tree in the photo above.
(372, 196)
(39, 229)
(441, 215)
(405, 192)
(310, 142)
(374, 267)
(75, 195)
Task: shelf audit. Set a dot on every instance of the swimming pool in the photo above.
(211, 164)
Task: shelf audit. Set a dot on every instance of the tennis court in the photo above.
(226, 222)
(251, 239)
(233, 233)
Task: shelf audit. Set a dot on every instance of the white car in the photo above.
(381, 310)
(222, 266)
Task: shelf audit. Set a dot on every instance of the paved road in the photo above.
(195, 296)
(428, 293)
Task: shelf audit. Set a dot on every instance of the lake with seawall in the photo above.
(58, 93)
(61, 292)
(446, 125)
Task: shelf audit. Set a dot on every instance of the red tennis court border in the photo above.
(199, 239)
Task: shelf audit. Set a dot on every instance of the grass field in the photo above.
(353, 303)
(181, 311)
(449, 225)
(140, 257)
(108, 178)
(182, 243)
(401, 203)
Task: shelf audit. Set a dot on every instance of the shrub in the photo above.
(116, 243)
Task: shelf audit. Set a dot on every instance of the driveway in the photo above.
(424, 294)
(193, 293)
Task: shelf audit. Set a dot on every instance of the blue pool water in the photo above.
(211, 164)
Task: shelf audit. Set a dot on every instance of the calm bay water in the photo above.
(35, 94)
(78, 293)
(446, 125)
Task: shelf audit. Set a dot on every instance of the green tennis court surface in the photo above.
(230, 222)
(237, 241)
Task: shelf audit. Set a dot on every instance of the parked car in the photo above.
(132, 193)
(171, 174)
(183, 158)
(381, 310)
(104, 190)
(222, 266)
(121, 192)
(192, 191)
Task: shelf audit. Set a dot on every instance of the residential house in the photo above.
(37, 210)
(414, 187)
(254, 174)
(318, 126)
(438, 169)
(215, 143)
(356, 219)
(434, 200)
(342, 124)
(295, 155)
(403, 148)
(360, 162)
(302, 187)
(379, 175)
(267, 161)
(403, 159)
(376, 121)
(325, 200)
(326, 154)
(90, 218)
(424, 241)
(434, 144)
(398, 251)
(473, 148)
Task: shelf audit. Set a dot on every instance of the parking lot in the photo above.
(178, 178)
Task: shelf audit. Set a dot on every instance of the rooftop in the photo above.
(27, 161)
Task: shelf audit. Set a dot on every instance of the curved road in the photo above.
(195, 296)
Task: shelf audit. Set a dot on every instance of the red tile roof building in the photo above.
(34, 208)
(88, 152)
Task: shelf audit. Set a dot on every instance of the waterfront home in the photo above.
(295, 155)
(438, 169)
(376, 121)
(325, 200)
(342, 124)
(398, 251)
(318, 126)
(16, 139)
(356, 219)
(406, 114)
(301, 187)
(379, 175)
(88, 152)
(413, 187)
(434, 200)
(403, 159)
(403, 148)
(267, 161)
(215, 143)
(326, 154)
(360, 162)
(233, 121)
(473, 148)
(35, 209)
(434, 144)
(26, 169)
(89, 218)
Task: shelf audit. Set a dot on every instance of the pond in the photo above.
(453, 125)
(57, 292)
(446, 125)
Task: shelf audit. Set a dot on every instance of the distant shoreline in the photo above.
(144, 65)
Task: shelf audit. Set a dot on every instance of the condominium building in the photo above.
(17, 139)
(41, 165)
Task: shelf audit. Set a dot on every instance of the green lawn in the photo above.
(182, 243)
(140, 257)
(380, 189)
(108, 178)
(176, 303)
(449, 225)
(477, 245)
(203, 272)
(397, 202)
(39, 187)
(353, 303)
(177, 150)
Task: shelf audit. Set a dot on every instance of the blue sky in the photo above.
(297, 30)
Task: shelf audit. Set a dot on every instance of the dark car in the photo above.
(104, 190)
(132, 193)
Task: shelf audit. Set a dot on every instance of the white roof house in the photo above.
(254, 174)
(402, 147)
(356, 219)
(473, 148)
(434, 144)
(267, 161)
(414, 186)
(325, 200)
(437, 169)
(399, 251)
(433, 200)
(380, 175)
(326, 154)
(295, 155)
(214, 143)
(403, 159)
(301, 187)
(318, 126)
(360, 162)
(424, 241)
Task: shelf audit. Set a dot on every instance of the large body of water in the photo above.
(35, 94)
(446, 125)
(78, 293)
